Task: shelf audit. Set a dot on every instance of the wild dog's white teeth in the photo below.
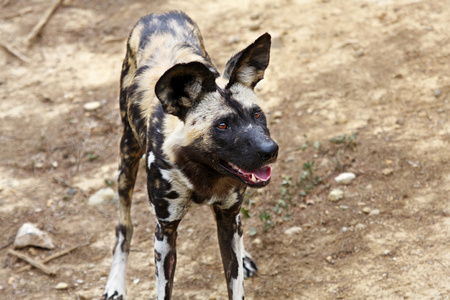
(253, 178)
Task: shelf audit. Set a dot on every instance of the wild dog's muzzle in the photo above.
(267, 153)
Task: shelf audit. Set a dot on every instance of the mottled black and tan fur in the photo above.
(204, 137)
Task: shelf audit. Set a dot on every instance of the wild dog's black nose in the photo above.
(268, 150)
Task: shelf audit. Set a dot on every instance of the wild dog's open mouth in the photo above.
(255, 178)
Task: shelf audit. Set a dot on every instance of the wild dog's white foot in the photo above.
(250, 267)
(116, 286)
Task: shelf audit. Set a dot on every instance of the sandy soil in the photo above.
(356, 86)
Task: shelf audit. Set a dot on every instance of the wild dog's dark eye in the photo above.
(222, 126)
(257, 114)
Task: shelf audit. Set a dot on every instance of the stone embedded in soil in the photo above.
(345, 178)
(366, 210)
(374, 212)
(30, 235)
(293, 230)
(278, 114)
(62, 286)
(92, 105)
(336, 195)
(360, 226)
(103, 196)
(387, 171)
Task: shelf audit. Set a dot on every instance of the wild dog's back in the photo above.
(156, 43)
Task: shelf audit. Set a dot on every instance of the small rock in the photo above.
(91, 105)
(103, 196)
(387, 171)
(343, 207)
(360, 226)
(437, 92)
(84, 296)
(330, 259)
(255, 16)
(256, 241)
(62, 286)
(30, 235)
(234, 39)
(423, 114)
(359, 53)
(136, 281)
(293, 230)
(374, 212)
(366, 210)
(278, 114)
(345, 178)
(336, 195)
(255, 26)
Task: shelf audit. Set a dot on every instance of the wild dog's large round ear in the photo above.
(248, 66)
(182, 86)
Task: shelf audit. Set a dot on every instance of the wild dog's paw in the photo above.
(250, 267)
(113, 296)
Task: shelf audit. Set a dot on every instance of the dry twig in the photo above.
(32, 262)
(54, 256)
(11, 50)
(42, 22)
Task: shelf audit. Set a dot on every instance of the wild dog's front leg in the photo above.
(165, 257)
(130, 155)
(229, 229)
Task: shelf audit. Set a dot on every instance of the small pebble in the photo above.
(343, 207)
(374, 212)
(345, 178)
(255, 26)
(387, 171)
(366, 210)
(277, 115)
(103, 196)
(91, 105)
(437, 92)
(336, 195)
(293, 230)
(360, 226)
(234, 39)
(61, 286)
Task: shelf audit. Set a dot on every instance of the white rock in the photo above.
(345, 178)
(30, 235)
(360, 226)
(293, 230)
(336, 195)
(61, 286)
(374, 212)
(92, 105)
(103, 196)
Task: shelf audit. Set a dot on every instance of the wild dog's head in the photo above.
(225, 130)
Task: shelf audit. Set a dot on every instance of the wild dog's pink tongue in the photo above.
(263, 173)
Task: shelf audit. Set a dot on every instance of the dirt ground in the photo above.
(354, 86)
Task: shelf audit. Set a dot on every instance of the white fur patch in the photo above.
(163, 248)
(117, 276)
(150, 159)
(237, 284)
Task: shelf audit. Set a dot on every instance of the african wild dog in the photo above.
(205, 140)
